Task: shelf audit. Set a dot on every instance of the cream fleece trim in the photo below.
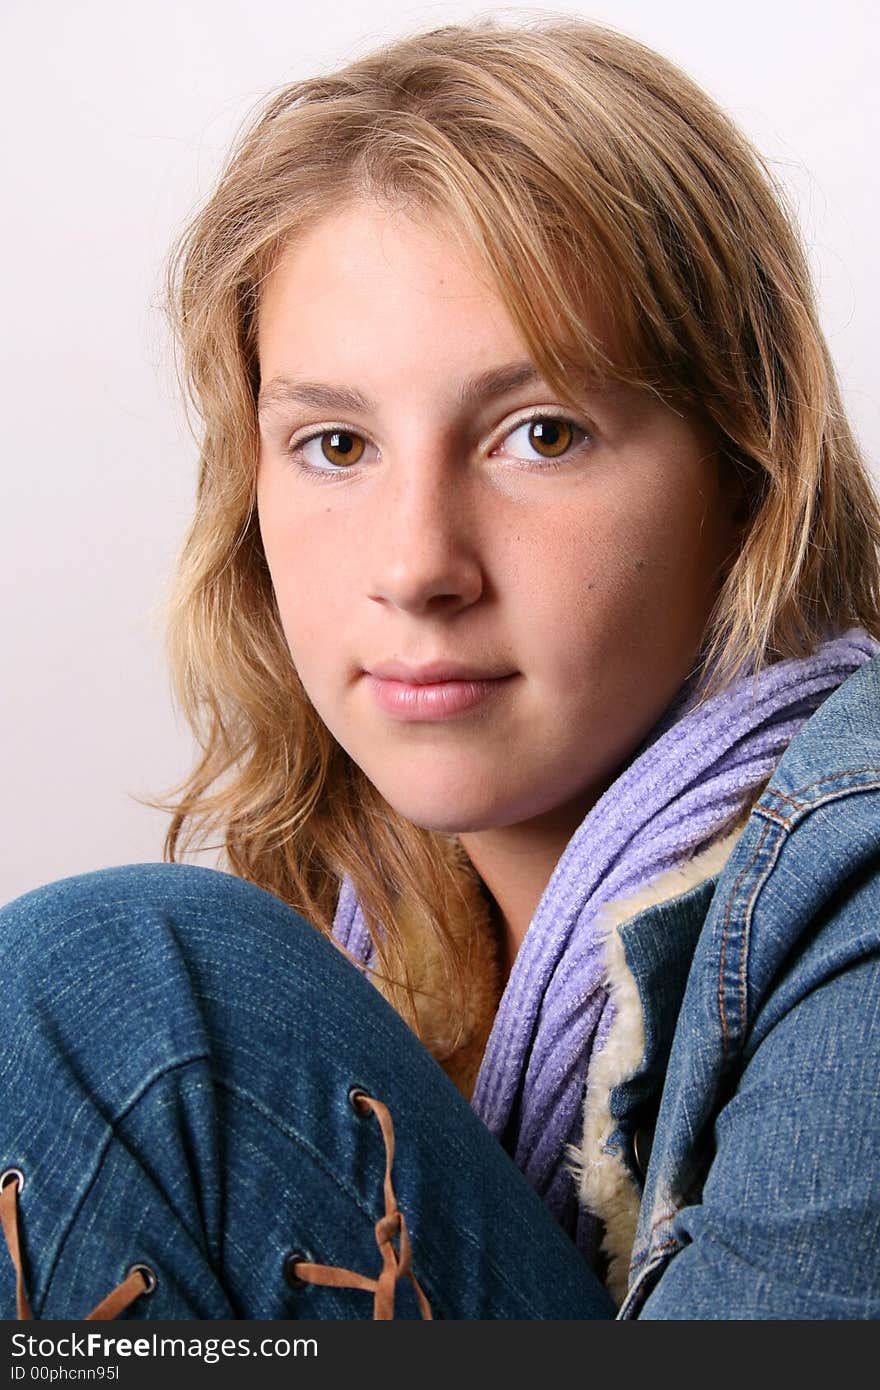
(605, 1186)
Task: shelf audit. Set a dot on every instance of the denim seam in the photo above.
(743, 874)
(650, 1249)
(301, 1142)
(346, 1191)
(667, 1215)
(102, 1154)
(806, 806)
(654, 1260)
(291, 1134)
(129, 1106)
(831, 777)
(666, 1244)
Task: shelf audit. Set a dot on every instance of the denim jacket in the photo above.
(732, 1133)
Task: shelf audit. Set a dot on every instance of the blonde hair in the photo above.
(587, 170)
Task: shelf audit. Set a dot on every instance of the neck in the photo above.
(515, 863)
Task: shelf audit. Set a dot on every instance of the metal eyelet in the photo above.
(290, 1275)
(642, 1143)
(149, 1276)
(9, 1175)
(355, 1096)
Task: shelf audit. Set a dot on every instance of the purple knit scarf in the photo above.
(694, 772)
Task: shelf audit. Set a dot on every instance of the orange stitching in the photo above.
(778, 817)
(759, 883)
(742, 875)
(664, 1245)
(655, 1250)
(832, 777)
(666, 1216)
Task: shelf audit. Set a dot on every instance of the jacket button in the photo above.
(643, 1140)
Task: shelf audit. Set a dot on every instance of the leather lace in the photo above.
(396, 1263)
(132, 1286)
(396, 1260)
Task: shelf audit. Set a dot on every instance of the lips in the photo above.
(434, 691)
(433, 672)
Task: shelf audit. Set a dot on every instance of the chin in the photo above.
(451, 815)
(450, 795)
(441, 809)
(441, 819)
(449, 825)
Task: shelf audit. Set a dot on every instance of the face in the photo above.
(489, 598)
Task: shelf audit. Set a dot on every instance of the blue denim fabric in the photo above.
(178, 1051)
(761, 999)
(179, 1047)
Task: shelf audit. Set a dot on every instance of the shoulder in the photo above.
(758, 1196)
(801, 890)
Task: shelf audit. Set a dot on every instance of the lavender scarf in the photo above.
(694, 772)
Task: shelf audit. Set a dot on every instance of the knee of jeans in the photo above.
(42, 918)
(149, 931)
(68, 939)
(32, 921)
(97, 992)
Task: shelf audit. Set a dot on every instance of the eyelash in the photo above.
(538, 464)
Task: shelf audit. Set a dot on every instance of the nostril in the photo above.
(10, 1175)
(149, 1276)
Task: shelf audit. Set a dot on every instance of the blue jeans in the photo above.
(179, 1049)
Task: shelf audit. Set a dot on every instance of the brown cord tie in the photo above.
(139, 1280)
(394, 1263)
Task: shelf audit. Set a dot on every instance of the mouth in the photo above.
(430, 700)
(433, 672)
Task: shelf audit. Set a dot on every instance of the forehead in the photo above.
(368, 285)
(367, 246)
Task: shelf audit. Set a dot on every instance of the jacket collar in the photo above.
(649, 943)
(656, 942)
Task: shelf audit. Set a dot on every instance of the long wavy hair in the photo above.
(585, 169)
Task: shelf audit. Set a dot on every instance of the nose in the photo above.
(423, 550)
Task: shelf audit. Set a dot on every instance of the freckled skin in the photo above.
(448, 540)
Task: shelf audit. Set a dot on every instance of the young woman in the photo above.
(528, 622)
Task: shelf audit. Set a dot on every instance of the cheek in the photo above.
(629, 583)
(310, 592)
(674, 565)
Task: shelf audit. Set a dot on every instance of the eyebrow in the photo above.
(282, 390)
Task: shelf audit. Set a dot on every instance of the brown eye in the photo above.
(341, 446)
(550, 437)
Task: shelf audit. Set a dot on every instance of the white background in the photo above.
(114, 119)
